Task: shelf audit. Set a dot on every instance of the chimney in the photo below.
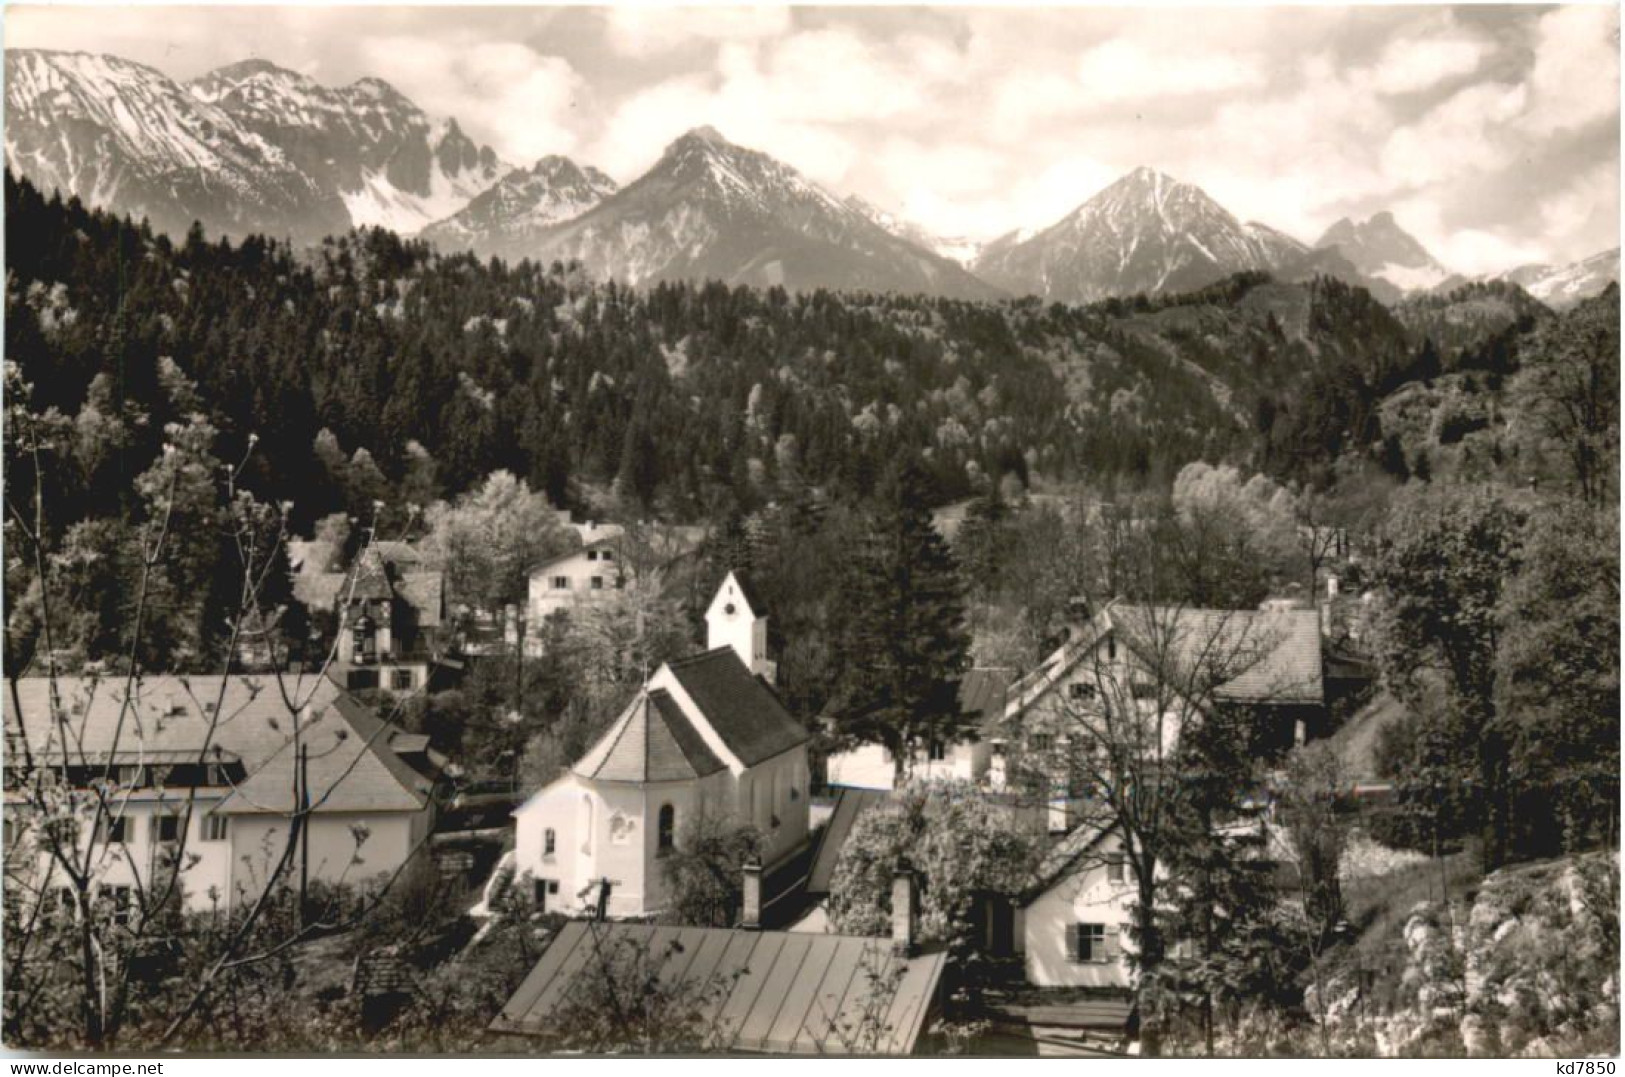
(905, 908)
(750, 913)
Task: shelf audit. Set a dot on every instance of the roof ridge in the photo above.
(693, 658)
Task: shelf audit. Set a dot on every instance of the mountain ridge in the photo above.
(710, 209)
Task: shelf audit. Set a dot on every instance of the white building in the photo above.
(200, 771)
(982, 695)
(704, 737)
(581, 576)
(1073, 926)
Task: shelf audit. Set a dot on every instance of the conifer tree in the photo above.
(901, 643)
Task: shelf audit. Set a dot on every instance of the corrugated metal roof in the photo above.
(743, 710)
(761, 991)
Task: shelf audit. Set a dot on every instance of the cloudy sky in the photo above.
(1492, 133)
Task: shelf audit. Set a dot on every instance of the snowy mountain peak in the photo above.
(1381, 249)
(711, 209)
(386, 159)
(707, 134)
(508, 219)
(1145, 232)
(123, 135)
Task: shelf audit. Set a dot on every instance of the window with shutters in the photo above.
(216, 827)
(1089, 943)
(166, 827)
(561, 583)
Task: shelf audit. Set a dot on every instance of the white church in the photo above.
(704, 735)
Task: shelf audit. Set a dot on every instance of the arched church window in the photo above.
(668, 828)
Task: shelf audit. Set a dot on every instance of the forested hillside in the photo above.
(690, 397)
(683, 393)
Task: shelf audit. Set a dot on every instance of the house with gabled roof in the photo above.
(1072, 923)
(1174, 661)
(704, 737)
(207, 766)
(587, 574)
(391, 611)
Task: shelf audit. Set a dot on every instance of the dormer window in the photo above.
(592, 555)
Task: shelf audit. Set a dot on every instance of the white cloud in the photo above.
(643, 31)
(805, 99)
(1476, 250)
(949, 168)
(520, 99)
(1583, 217)
(1575, 79)
(1122, 70)
(1418, 63)
(1461, 136)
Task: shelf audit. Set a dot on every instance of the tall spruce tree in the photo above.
(901, 644)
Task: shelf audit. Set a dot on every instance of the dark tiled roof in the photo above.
(744, 711)
(760, 991)
(1276, 653)
(848, 806)
(653, 741)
